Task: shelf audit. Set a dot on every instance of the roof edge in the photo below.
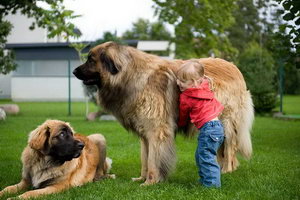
(57, 44)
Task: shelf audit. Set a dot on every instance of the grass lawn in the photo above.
(291, 105)
(272, 173)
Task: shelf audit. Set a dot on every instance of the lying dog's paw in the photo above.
(13, 198)
(99, 178)
(112, 176)
(138, 179)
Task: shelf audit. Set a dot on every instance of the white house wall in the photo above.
(5, 86)
(45, 89)
(21, 33)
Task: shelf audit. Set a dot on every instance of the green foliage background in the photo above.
(257, 66)
(228, 29)
(225, 29)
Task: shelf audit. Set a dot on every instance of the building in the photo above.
(22, 34)
(45, 66)
(44, 72)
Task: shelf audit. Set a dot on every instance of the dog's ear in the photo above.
(38, 137)
(109, 64)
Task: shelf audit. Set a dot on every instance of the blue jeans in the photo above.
(210, 138)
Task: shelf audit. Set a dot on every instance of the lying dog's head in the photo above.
(55, 138)
(104, 61)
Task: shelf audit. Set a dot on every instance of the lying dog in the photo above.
(56, 159)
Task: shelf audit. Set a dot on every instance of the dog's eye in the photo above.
(91, 61)
(62, 134)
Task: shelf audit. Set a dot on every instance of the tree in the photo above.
(56, 20)
(257, 67)
(246, 28)
(261, 22)
(200, 26)
(6, 57)
(108, 36)
(144, 30)
(277, 38)
(292, 15)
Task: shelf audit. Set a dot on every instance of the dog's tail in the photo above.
(246, 119)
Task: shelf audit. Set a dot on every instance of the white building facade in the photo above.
(45, 65)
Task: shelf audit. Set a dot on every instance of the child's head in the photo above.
(190, 74)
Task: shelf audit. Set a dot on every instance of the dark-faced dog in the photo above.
(56, 159)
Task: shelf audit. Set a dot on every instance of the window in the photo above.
(41, 68)
(24, 68)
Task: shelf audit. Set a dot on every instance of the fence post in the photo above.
(69, 87)
(281, 84)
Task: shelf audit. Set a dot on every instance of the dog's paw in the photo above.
(13, 198)
(148, 183)
(99, 178)
(138, 179)
(112, 176)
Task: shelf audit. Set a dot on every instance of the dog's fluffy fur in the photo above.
(140, 90)
(55, 160)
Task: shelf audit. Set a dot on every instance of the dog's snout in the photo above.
(75, 71)
(78, 73)
(80, 145)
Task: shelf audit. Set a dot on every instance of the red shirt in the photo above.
(198, 105)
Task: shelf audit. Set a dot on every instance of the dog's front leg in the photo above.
(153, 163)
(100, 142)
(161, 155)
(144, 160)
(15, 188)
(43, 191)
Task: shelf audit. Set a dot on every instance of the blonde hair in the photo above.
(192, 70)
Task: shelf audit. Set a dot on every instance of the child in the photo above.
(197, 103)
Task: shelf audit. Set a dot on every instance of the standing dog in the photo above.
(56, 159)
(140, 90)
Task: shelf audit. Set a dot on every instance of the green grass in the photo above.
(272, 173)
(291, 105)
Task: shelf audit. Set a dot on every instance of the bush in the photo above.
(291, 79)
(257, 66)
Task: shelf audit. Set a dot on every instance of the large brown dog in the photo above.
(140, 90)
(55, 160)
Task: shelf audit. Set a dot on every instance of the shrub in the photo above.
(291, 79)
(257, 66)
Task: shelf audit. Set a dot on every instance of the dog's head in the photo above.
(104, 63)
(55, 138)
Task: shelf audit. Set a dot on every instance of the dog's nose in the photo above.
(80, 145)
(75, 71)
